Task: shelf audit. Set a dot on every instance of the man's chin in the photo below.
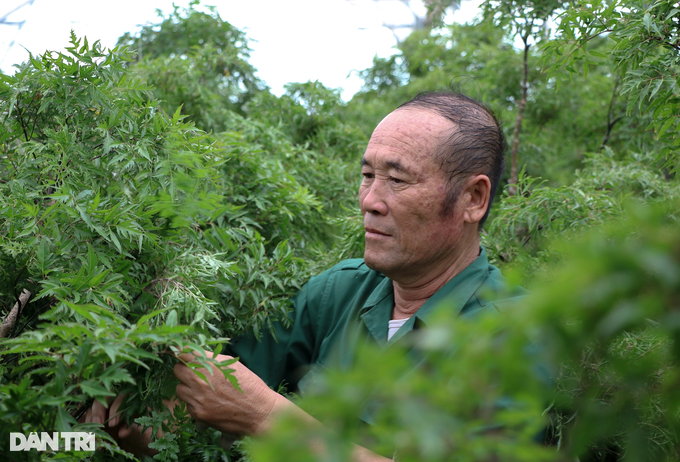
(376, 264)
(370, 264)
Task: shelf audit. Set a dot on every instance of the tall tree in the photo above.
(528, 21)
(646, 39)
(561, 122)
(196, 60)
(435, 11)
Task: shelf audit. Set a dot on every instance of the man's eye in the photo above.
(395, 180)
(368, 176)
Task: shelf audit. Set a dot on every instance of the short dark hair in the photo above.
(476, 145)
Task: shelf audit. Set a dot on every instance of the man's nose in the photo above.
(372, 198)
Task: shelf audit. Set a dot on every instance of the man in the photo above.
(430, 173)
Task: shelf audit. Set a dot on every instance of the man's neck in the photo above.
(409, 296)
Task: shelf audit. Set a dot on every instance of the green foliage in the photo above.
(384, 76)
(615, 313)
(645, 51)
(540, 213)
(195, 60)
(448, 404)
(312, 116)
(138, 237)
(526, 19)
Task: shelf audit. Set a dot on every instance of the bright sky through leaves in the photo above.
(292, 41)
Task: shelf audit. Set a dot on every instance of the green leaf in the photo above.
(666, 125)
(84, 216)
(41, 256)
(94, 390)
(153, 314)
(115, 241)
(97, 279)
(92, 259)
(171, 319)
(177, 114)
(64, 420)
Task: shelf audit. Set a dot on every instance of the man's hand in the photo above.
(129, 438)
(220, 405)
(250, 411)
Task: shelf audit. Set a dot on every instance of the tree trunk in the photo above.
(435, 12)
(512, 190)
(13, 315)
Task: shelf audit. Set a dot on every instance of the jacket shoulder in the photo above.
(353, 265)
(347, 272)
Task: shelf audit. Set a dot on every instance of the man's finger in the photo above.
(183, 392)
(124, 431)
(186, 357)
(98, 412)
(114, 416)
(190, 357)
(87, 417)
(182, 372)
(95, 414)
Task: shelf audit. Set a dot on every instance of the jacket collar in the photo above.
(377, 310)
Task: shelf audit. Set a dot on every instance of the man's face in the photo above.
(402, 195)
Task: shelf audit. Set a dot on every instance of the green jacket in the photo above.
(351, 303)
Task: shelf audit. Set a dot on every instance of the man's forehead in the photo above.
(410, 133)
(395, 164)
(425, 119)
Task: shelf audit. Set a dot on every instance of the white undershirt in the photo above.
(394, 326)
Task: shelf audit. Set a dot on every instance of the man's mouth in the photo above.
(370, 232)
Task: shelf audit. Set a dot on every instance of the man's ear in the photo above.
(478, 193)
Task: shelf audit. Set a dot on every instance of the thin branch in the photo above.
(35, 124)
(21, 118)
(78, 412)
(28, 321)
(587, 39)
(100, 155)
(664, 42)
(611, 122)
(512, 190)
(652, 348)
(17, 8)
(13, 315)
